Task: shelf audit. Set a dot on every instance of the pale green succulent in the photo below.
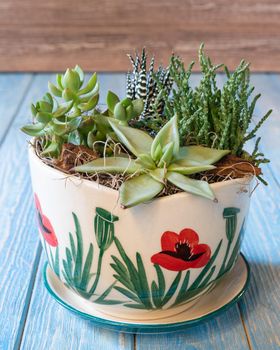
(124, 110)
(158, 161)
(70, 88)
(66, 120)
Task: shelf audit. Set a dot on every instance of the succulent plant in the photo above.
(158, 161)
(210, 116)
(124, 110)
(143, 83)
(70, 88)
(68, 120)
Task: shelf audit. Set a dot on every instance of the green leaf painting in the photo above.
(130, 276)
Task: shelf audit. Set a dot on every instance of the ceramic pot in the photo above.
(145, 262)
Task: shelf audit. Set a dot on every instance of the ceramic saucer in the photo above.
(226, 292)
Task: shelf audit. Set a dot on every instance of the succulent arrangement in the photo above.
(168, 133)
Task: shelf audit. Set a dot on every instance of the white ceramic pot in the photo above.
(140, 263)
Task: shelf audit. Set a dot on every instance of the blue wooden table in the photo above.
(31, 319)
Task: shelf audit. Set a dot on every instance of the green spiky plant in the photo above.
(158, 161)
(209, 116)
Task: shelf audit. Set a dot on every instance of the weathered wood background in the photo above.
(51, 35)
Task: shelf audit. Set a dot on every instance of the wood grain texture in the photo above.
(260, 306)
(51, 35)
(19, 246)
(223, 332)
(50, 326)
(13, 88)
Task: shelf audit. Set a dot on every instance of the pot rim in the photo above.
(95, 185)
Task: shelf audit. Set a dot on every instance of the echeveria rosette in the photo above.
(157, 161)
(66, 120)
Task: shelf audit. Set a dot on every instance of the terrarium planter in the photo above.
(146, 262)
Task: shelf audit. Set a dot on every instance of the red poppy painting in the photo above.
(181, 251)
(45, 225)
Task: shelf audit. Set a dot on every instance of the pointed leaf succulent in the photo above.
(159, 160)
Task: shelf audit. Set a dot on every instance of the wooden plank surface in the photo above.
(49, 326)
(51, 35)
(19, 247)
(12, 91)
(261, 305)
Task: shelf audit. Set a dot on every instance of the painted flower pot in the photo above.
(146, 262)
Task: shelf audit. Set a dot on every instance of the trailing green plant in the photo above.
(209, 116)
(158, 161)
(143, 83)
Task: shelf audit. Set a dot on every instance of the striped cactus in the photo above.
(142, 83)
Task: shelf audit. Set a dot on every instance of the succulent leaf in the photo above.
(71, 80)
(61, 128)
(138, 106)
(33, 110)
(188, 170)
(88, 96)
(109, 165)
(120, 112)
(43, 117)
(158, 174)
(89, 86)
(34, 129)
(169, 133)
(75, 138)
(54, 90)
(203, 155)
(53, 149)
(137, 141)
(146, 161)
(112, 100)
(59, 81)
(167, 155)
(200, 188)
(139, 189)
(87, 106)
(79, 70)
(68, 95)
(62, 109)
